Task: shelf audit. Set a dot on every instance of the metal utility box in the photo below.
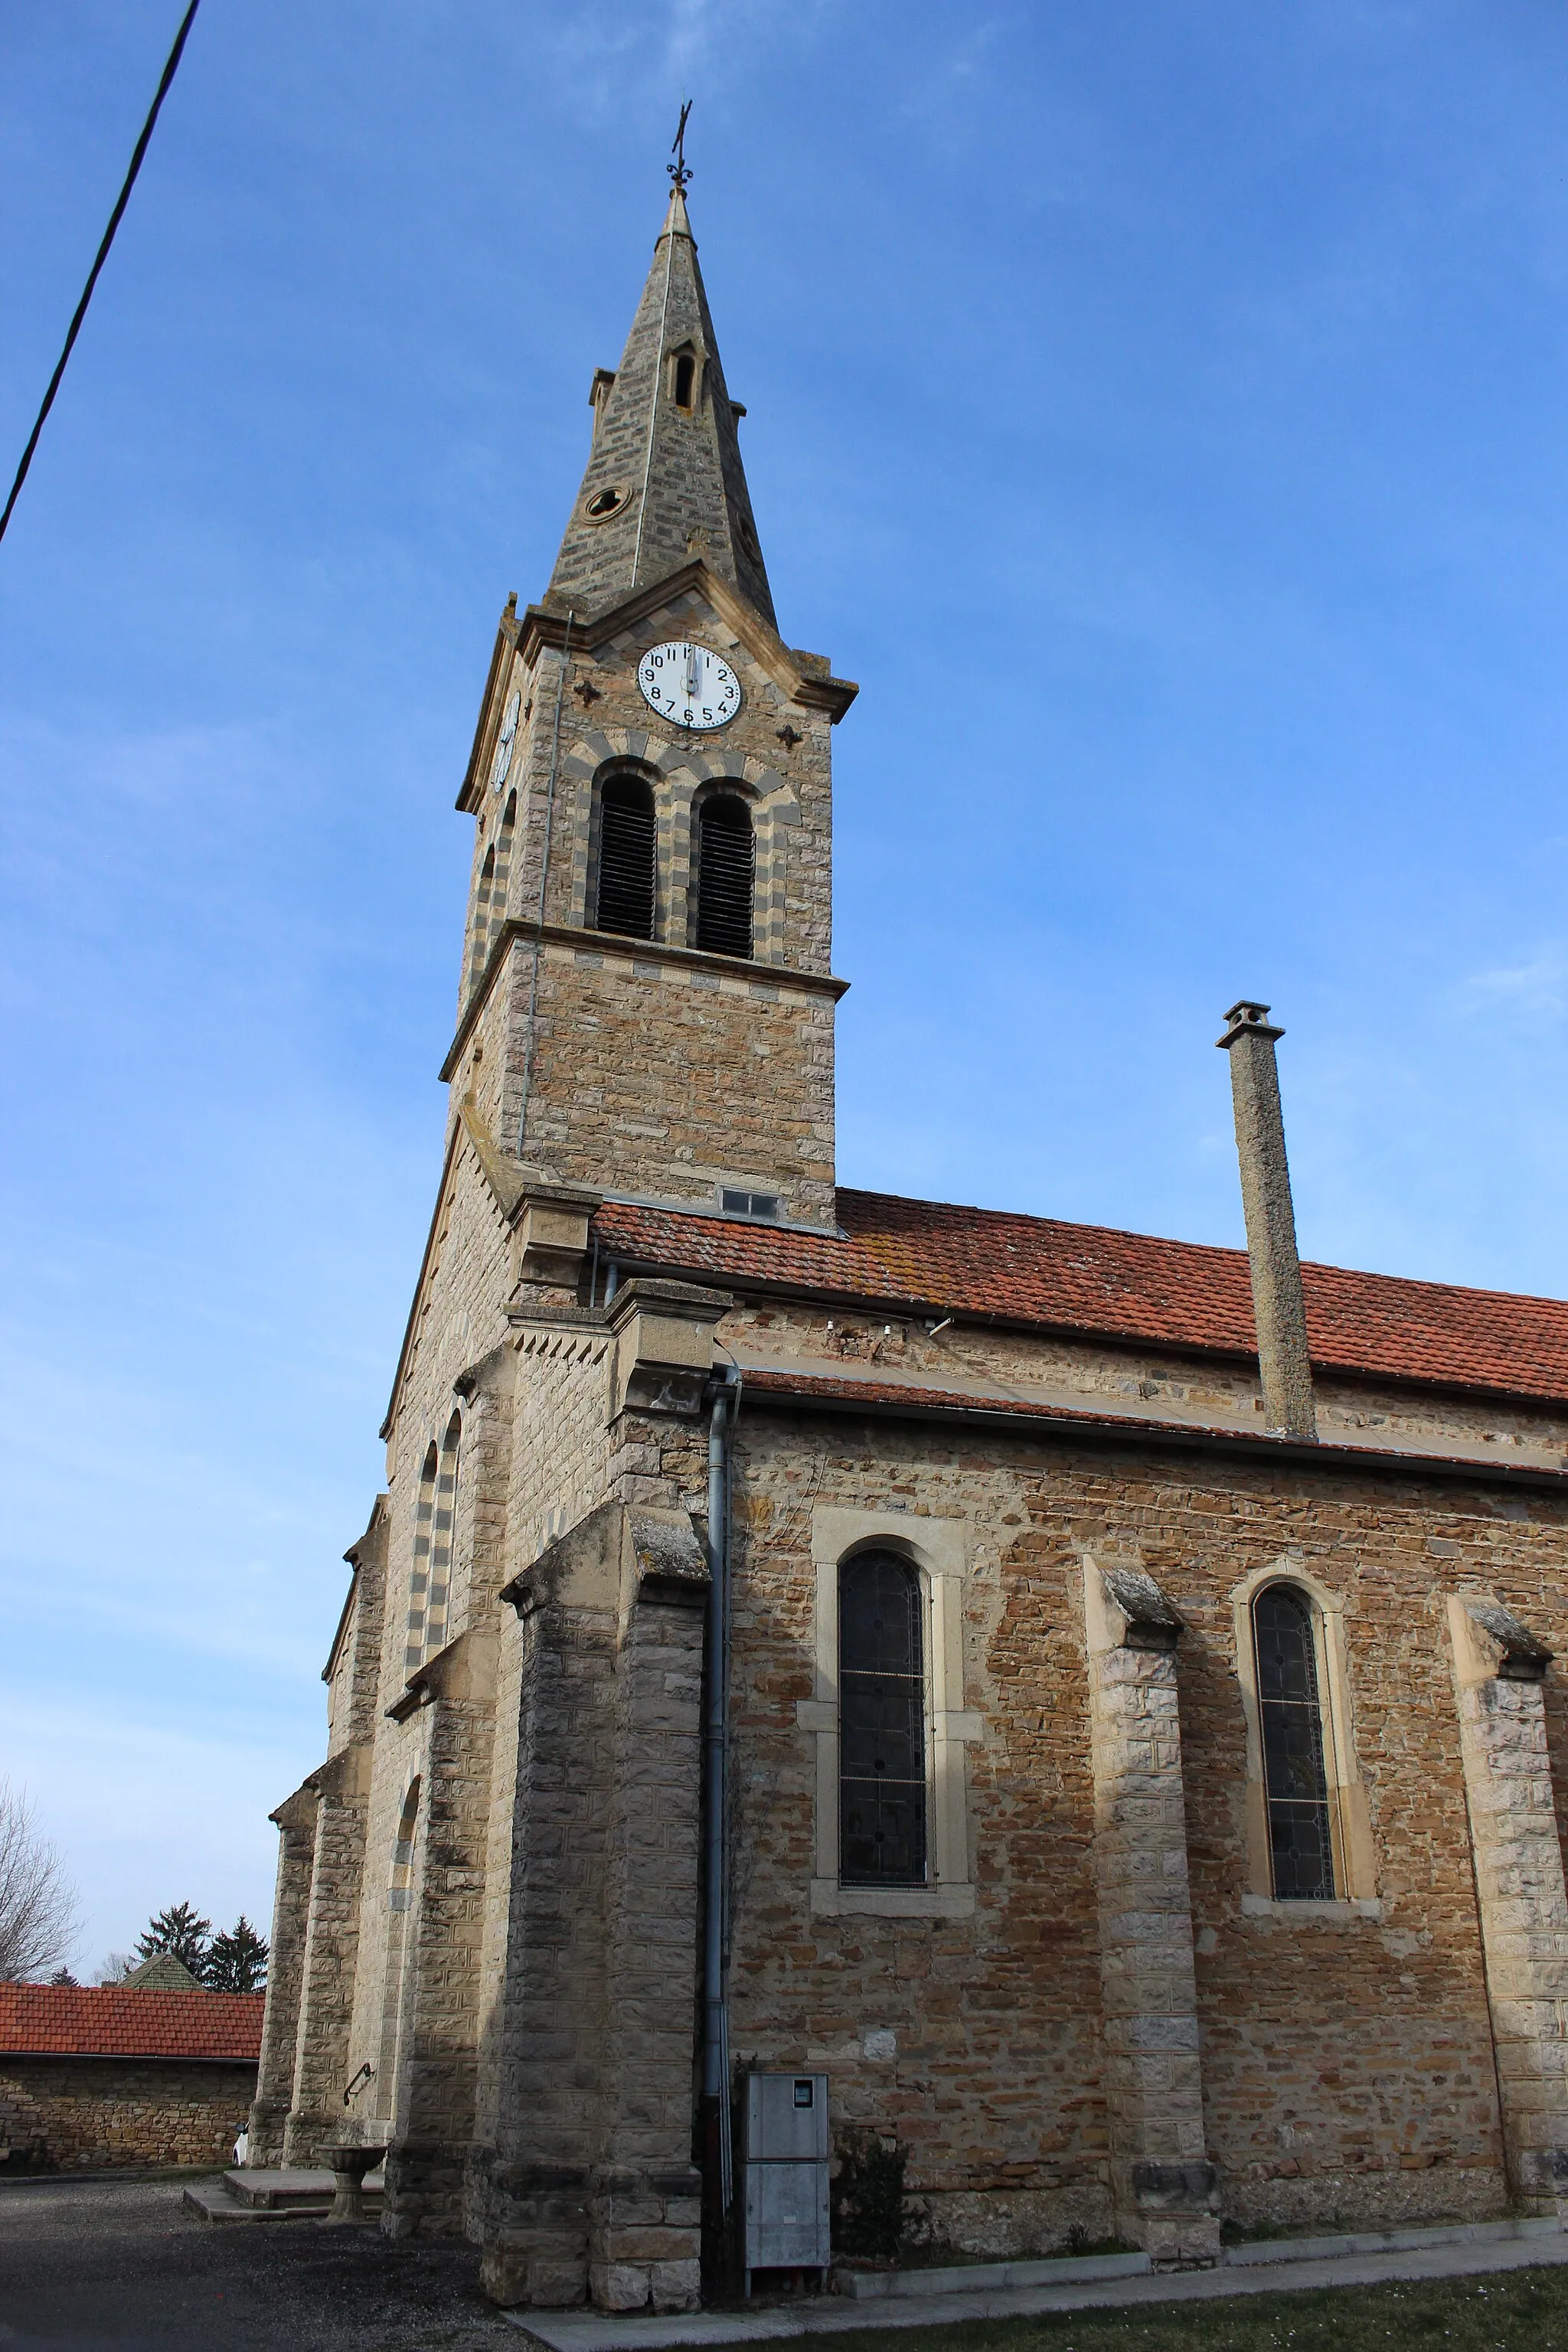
(786, 2153)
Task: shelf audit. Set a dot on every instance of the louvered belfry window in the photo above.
(881, 1723)
(628, 858)
(726, 869)
(1295, 1777)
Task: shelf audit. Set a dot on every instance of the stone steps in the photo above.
(294, 2193)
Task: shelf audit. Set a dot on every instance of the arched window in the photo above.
(628, 858)
(502, 884)
(419, 1581)
(1291, 1711)
(881, 1723)
(481, 937)
(403, 1850)
(726, 869)
(684, 379)
(443, 1530)
(399, 1895)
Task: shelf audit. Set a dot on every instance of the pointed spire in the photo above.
(664, 481)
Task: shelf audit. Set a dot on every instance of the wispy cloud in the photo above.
(1538, 989)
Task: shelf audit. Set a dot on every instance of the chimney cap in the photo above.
(1247, 1018)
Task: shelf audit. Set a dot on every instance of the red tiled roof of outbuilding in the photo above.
(111, 2021)
(1093, 1281)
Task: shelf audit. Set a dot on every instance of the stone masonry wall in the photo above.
(458, 1321)
(97, 2114)
(662, 1079)
(1346, 2054)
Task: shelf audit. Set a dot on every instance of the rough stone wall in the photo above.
(645, 2208)
(327, 1967)
(459, 1323)
(91, 2114)
(428, 2160)
(649, 1073)
(1161, 2181)
(657, 1078)
(296, 1820)
(1520, 1889)
(356, 1675)
(589, 2186)
(1346, 2054)
(536, 2220)
(1158, 1382)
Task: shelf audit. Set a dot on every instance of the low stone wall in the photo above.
(61, 2115)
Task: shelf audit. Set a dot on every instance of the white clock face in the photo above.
(689, 683)
(504, 742)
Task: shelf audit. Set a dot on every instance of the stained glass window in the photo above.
(881, 1683)
(1295, 1778)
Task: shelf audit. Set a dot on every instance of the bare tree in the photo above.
(40, 1921)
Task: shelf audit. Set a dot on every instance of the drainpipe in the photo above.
(718, 2163)
(1279, 1306)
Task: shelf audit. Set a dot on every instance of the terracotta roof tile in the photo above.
(115, 2021)
(1088, 1279)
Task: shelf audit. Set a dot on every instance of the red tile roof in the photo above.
(1088, 1280)
(110, 2021)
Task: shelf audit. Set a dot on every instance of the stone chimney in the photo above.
(1277, 1304)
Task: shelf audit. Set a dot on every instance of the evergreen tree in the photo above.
(237, 1962)
(178, 1930)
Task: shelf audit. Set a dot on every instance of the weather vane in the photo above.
(680, 170)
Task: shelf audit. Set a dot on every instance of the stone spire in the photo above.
(664, 482)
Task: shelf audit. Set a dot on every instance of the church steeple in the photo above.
(664, 482)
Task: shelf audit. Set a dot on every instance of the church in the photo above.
(1083, 1703)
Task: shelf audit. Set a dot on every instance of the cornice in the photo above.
(776, 1388)
(763, 975)
(470, 792)
(796, 674)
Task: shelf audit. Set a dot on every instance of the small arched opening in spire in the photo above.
(725, 875)
(684, 381)
(628, 858)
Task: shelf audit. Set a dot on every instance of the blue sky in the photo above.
(1157, 406)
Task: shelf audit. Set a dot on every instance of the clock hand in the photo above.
(691, 665)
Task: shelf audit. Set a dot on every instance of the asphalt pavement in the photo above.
(122, 2266)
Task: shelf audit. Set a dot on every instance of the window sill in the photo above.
(1305, 1912)
(953, 1901)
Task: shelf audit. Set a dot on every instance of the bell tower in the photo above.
(647, 1001)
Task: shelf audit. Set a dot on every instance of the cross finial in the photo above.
(680, 170)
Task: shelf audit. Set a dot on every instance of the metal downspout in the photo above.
(717, 2166)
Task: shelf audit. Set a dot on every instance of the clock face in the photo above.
(689, 683)
(504, 742)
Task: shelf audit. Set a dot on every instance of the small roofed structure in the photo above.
(162, 1973)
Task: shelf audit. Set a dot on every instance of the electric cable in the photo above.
(114, 218)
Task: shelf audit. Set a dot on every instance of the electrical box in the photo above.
(786, 2154)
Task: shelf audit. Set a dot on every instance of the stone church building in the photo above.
(1089, 1698)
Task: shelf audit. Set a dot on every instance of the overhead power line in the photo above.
(169, 72)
